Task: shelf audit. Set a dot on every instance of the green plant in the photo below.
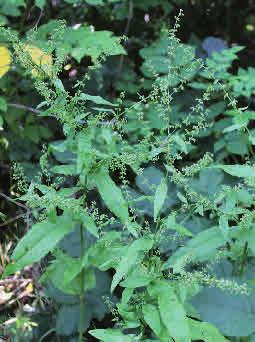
(141, 206)
(159, 280)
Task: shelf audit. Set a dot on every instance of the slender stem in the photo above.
(28, 108)
(243, 259)
(129, 19)
(82, 299)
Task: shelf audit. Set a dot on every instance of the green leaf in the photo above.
(205, 331)
(137, 278)
(40, 3)
(113, 199)
(201, 248)
(113, 335)
(68, 278)
(160, 196)
(172, 312)
(242, 171)
(3, 104)
(96, 99)
(89, 223)
(85, 153)
(134, 252)
(83, 42)
(67, 320)
(171, 223)
(232, 314)
(152, 317)
(224, 227)
(39, 241)
(67, 170)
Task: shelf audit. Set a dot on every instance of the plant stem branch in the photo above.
(82, 299)
(21, 106)
(244, 257)
(129, 19)
(23, 206)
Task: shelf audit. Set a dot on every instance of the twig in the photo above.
(21, 106)
(38, 20)
(11, 220)
(129, 19)
(23, 206)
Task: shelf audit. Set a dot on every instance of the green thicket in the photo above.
(131, 152)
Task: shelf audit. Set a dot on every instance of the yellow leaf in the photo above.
(29, 288)
(5, 60)
(40, 58)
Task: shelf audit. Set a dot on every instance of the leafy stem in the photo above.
(243, 258)
(82, 299)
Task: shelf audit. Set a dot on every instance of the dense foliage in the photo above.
(127, 179)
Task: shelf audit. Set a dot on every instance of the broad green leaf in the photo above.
(205, 331)
(126, 295)
(94, 2)
(107, 251)
(113, 335)
(160, 196)
(200, 248)
(67, 319)
(232, 314)
(3, 104)
(67, 170)
(171, 223)
(137, 278)
(39, 241)
(96, 99)
(152, 317)
(134, 253)
(129, 316)
(83, 42)
(172, 312)
(68, 278)
(242, 171)
(40, 3)
(113, 199)
(89, 223)
(224, 227)
(85, 153)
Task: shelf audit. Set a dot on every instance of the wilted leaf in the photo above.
(40, 58)
(5, 60)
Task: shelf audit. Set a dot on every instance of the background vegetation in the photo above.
(127, 170)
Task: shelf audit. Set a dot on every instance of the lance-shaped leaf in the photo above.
(242, 171)
(89, 223)
(85, 153)
(96, 99)
(113, 199)
(113, 335)
(152, 318)
(160, 196)
(68, 278)
(39, 241)
(134, 252)
(171, 310)
(205, 331)
(201, 248)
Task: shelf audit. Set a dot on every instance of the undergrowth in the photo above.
(135, 198)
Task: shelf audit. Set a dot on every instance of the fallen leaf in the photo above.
(5, 60)
(40, 58)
